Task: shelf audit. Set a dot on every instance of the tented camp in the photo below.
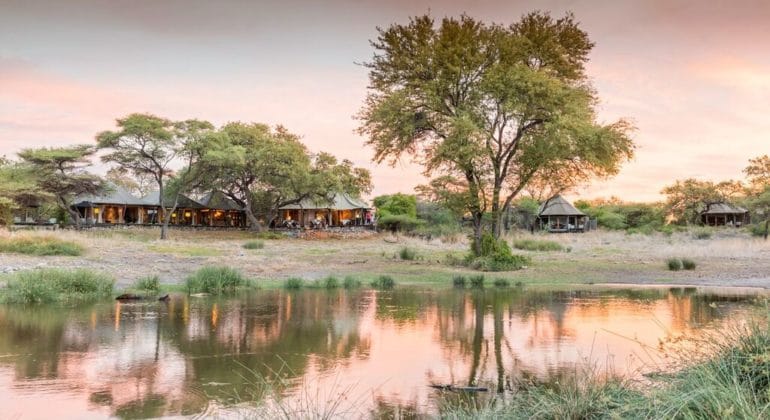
(724, 214)
(341, 210)
(557, 215)
(118, 206)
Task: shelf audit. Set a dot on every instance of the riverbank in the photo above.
(728, 258)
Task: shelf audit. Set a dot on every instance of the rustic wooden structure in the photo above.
(724, 214)
(557, 215)
(341, 210)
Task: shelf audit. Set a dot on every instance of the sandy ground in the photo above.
(729, 258)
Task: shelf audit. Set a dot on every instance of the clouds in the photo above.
(692, 75)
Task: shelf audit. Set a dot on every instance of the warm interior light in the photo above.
(187, 214)
(96, 210)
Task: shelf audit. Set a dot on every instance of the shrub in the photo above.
(398, 222)
(383, 282)
(611, 220)
(351, 283)
(407, 253)
(40, 245)
(688, 264)
(674, 264)
(459, 282)
(477, 281)
(494, 255)
(758, 229)
(294, 283)
(270, 235)
(214, 280)
(702, 233)
(501, 282)
(54, 285)
(148, 284)
(257, 244)
(331, 282)
(537, 245)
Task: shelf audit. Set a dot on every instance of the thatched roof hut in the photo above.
(341, 210)
(557, 215)
(724, 214)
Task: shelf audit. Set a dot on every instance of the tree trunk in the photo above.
(767, 228)
(254, 224)
(163, 224)
(74, 214)
(497, 215)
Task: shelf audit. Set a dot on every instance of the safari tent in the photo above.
(341, 210)
(557, 215)
(724, 214)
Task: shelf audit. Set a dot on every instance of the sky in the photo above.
(693, 76)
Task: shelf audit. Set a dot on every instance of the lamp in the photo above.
(187, 214)
(96, 210)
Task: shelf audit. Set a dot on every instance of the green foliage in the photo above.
(685, 199)
(758, 229)
(331, 282)
(215, 280)
(294, 283)
(688, 264)
(351, 282)
(407, 253)
(148, 284)
(383, 283)
(477, 281)
(40, 245)
(398, 222)
(459, 282)
(495, 255)
(674, 264)
(270, 235)
(501, 282)
(257, 244)
(611, 220)
(396, 204)
(537, 245)
(436, 220)
(56, 285)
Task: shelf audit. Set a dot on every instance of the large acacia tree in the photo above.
(494, 106)
(61, 172)
(150, 146)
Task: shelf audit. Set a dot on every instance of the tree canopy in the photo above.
(496, 107)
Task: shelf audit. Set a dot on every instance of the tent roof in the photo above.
(218, 201)
(341, 201)
(558, 206)
(723, 208)
(152, 199)
(115, 195)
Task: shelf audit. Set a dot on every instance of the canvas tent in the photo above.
(557, 215)
(724, 214)
(341, 210)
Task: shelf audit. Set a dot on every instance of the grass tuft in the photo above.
(537, 245)
(477, 281)
(407, 253)
(257, 244)
(501, 282)
(215, 280)
(674, 264)
(56, 285)
(383, 282)
(351, 282)
(688, 264)
(40, 245)
(148, 284)
(702, 233)
(294, 283)
(459, 282)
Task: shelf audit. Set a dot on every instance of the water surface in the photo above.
(377, 350)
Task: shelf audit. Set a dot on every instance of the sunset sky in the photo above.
(694, 76)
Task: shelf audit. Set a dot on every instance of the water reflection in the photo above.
(180, 357)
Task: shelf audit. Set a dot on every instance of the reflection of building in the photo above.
(118, 206)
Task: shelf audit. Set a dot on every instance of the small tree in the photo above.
(686, 199)
(61, 172)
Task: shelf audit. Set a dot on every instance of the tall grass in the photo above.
(256, 244)
(537, 245)
(40, 245)
(148, 284)
(459, 282)
(674, 264)
(407, 253)
(294, 283)
(351, 282)
(215, 280)
(56, 285)
(383, 282)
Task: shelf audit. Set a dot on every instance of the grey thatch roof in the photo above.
(723, 208)
(558, 206)
(115, 195)
(152, 199)
(341, 201)
(216, 200)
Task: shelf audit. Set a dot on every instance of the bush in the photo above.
(477, 281)
(148, 284)
(537, 245)
(254, 244)
(331, 283)
(55, 285)
(40, 245)
(501, 282)
(674, 264)
(270, 235)
(702, 233)
(214, 280)
(383, 282)
(610, 220)
(459, 282)
(351, 283)
(495, 255)
(398, 222)
(688, 264)
(757, 230)
(294, 283)
(407, 253)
